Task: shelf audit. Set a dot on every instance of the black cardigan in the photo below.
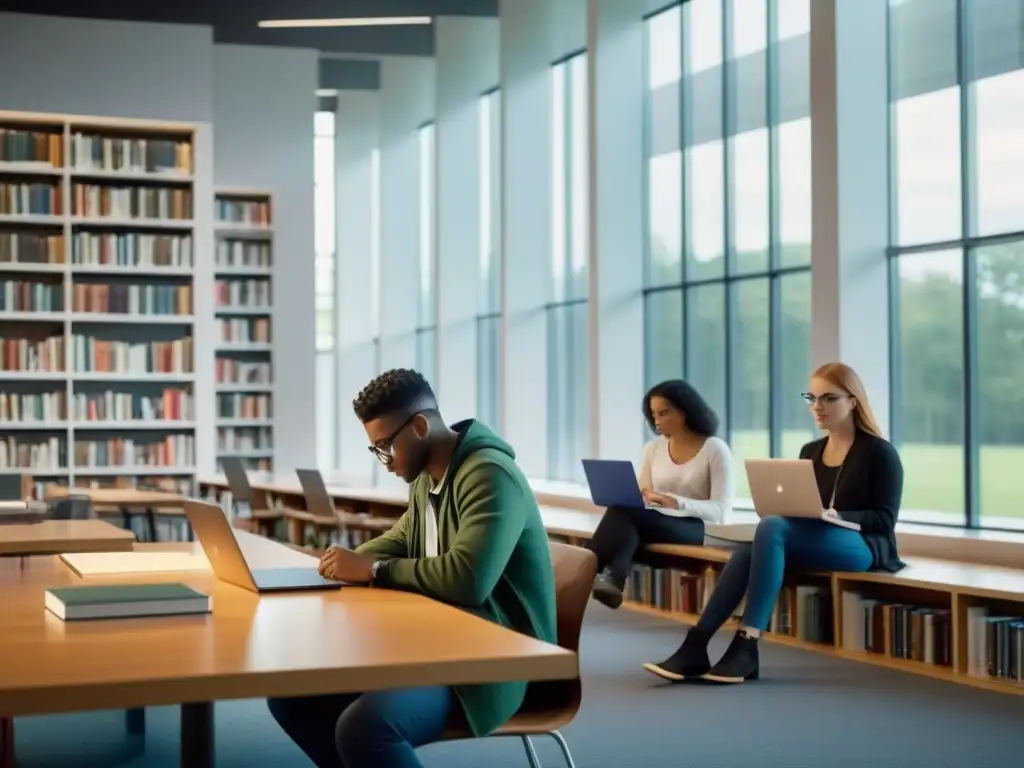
(869, 493)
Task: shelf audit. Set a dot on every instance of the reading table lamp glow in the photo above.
(369, 21)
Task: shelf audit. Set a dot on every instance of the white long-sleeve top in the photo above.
(703, 487)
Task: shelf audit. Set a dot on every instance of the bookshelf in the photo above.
(243, 272)
(98, 234)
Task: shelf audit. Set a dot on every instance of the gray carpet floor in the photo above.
(807, 711)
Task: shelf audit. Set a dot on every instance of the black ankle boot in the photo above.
(739, 663)
(608, 589)
(688, 663)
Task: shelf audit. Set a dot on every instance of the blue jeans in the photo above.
(756, 569)
(369, 730)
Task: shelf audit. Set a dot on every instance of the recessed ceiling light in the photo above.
(369, 21)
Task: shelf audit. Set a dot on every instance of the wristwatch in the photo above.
(374, 569)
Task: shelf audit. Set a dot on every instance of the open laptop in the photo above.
(228, 563)
(318, 500)
(788, 488)
(613, 484)
(237, 477)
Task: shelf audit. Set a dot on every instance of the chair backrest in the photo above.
(72, 508)
(575, 569)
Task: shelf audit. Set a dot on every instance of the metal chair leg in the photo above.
(560, 741)
(531, 753)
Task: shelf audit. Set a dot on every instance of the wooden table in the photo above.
(351, 640)
(52, 537)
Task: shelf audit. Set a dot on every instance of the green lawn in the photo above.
(934, 474)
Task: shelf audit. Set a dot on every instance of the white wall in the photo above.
(467, 66)
(264, 101)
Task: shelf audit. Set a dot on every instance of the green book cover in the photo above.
(124, 593)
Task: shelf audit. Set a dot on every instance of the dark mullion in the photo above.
(893, 265)
(981, 241)
(776, 424)
(968, 186)
(566, 416)
(683, 129)
(764, 274)
(728, 212)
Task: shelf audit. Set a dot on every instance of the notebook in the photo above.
(106, 563)
(118, 601)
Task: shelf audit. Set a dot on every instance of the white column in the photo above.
(849, 145)
(617, 227)
(356, 137)
(467, 65)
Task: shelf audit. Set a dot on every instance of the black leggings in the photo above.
(622, 532)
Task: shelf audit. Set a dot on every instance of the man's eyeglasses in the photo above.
(828, 398)
(384, 449)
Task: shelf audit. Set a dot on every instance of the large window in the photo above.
(957, 257)
(324, 235)
(568, 431)
(426, 325)
(727, 297)
(488, 320)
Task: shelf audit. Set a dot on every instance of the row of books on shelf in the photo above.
(242, 406)
(243, 293)
(31, 248)
(103, 201)
(90, 355)
(124, 298)
(131, 249)
(802, 611)
(47, 452)
(171, 404)
(899, 630)
(95, 152)
(244, 439)
(30, 199)
(237, 254)
(995, 644)
(245, 330)
(29, 296)
(32, 355)
(238, 372)
(169, 451)
(243, 211)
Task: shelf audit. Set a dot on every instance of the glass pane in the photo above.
(926, 121)
(795, 192)
(794, 18)
(494, 283)
(750, 398)
(749, 27)
(665, 206)
(488, 331)
(578, 180)
(930, 416)
(663, 336)
(664, 48)
(323, 123)
(750, 193)
(705, 197)
(326, 397)
(426, 216)
(795, 363)
(559, 223)
(426, 354)
(375, 241)
(323, 193)
(704, 35)
(1000, 339)
(568, 431)
(705, 344)
(484, 200)
(999, 148)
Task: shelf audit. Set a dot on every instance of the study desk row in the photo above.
(350, 640)
(955, 588)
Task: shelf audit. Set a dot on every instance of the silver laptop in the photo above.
(787, 488)
(318, 500)
(228, 562)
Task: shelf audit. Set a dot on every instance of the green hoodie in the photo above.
(494, 559)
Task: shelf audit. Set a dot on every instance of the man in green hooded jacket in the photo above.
(471, 537)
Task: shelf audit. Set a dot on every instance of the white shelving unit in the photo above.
(244, 302)
(105, 227)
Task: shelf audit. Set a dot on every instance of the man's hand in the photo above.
(340, 564)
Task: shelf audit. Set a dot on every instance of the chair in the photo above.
(72, 508)
(552, 705)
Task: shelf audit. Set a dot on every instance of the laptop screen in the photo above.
(238, 478)
(318, 500)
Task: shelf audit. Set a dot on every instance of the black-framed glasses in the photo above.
(384, 449)
(828, 398)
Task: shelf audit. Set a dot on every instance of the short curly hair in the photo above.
(394, 390)
(701, 418)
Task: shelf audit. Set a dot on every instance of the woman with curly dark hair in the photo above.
(686, 478)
